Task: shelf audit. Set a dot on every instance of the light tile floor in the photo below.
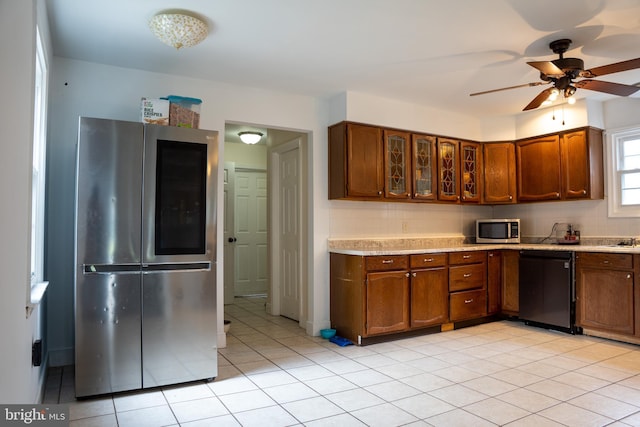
(273, 374)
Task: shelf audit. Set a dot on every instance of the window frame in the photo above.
(37, 284)
(614, 140)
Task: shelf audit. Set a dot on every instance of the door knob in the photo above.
(232, 239)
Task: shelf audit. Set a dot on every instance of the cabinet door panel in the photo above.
(499, 173)
(397, 163)
(424, 167)
(575, 165)
(448, 170)
(387, 302)
(429, 297)
(364, 161)
(538, 167)
(470, 171)
(605, 300)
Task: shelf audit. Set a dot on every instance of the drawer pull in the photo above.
(628, 276)
(466, 275)
(428, 260)
(605, 262)
(466, 256)
(387, 261)
(468, 301)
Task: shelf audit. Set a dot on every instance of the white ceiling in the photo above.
(429, 52)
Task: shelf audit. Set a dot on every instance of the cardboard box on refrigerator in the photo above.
(154, 111)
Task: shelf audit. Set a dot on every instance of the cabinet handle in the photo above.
(557, 195)
(387, 261)
(409, 195)
(584, 192)
(466, 256)
(468, 301)
(428, 260)
(491, 254)
(605, 262)
(466, 275)
(628, 276)
(510, 197)
(379, 193)
(414, 274)
(406, 274)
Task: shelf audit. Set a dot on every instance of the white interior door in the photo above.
(250, 222)
(290, 233)
(229, 242)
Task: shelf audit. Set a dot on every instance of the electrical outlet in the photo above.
(36, 353)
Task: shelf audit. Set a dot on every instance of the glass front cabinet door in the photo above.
(397, 164)
(470, 153)
(424, 167)
(448, 181)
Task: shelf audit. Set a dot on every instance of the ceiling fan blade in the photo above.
(510, 87)
(547, 68)
(538, 100)
(607, 87)
(631, 64)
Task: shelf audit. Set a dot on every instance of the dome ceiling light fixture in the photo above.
(250, 137)
(178, 29)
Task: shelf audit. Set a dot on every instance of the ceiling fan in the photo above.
(561, 72)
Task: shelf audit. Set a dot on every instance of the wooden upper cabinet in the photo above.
(355, 162)
(499, 161)
(581, 154)
(538, 168)
(397, 164)
(470, 172)
(424, 167)
(448, 170)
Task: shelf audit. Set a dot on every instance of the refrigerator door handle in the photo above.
(176, 267)
(110, 269)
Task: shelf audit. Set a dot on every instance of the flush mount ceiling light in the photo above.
(178, 30)
(250, 137)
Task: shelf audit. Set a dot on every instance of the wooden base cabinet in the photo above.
(372, 296)
(429, 290)
(467, 285)
(605, 292)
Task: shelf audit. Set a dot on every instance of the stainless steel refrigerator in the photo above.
(145, 256)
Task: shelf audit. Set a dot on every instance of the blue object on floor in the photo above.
(340, 341)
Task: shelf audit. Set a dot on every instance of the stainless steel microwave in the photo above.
(498, 230)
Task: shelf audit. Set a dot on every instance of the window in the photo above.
(38, 174)
(624, 172)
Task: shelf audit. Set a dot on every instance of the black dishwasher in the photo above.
(547, 289)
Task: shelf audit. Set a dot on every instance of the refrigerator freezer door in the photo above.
(107, 269)
(178, 326)
(109, 192)
(108, 333)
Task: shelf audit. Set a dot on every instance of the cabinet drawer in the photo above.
(605, 260)
(391, 262)
(465, 277)
(428, 260)
(469, 257)
(468, 305)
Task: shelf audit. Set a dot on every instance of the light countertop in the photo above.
(408, 246)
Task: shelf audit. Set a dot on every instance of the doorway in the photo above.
(284, 254)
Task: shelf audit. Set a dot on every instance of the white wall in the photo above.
(89, 89)
(19, 381)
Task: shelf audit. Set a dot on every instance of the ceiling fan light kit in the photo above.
(561, 73)
(178, 29)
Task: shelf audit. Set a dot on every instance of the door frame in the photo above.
(273, 304)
